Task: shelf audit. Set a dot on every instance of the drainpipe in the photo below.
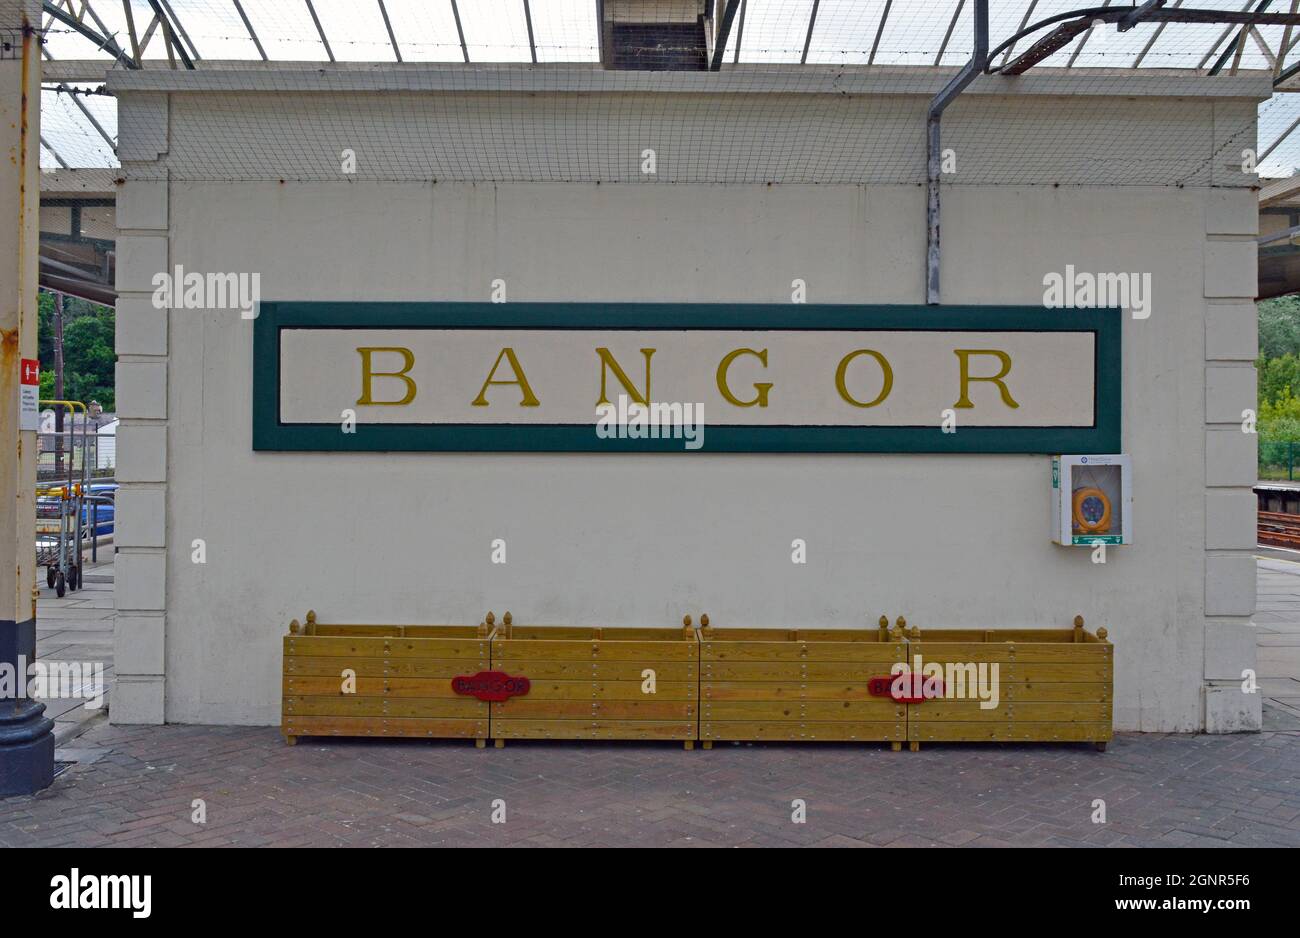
(934, 150)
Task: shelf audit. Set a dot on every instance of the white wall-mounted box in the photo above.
(1092, 500)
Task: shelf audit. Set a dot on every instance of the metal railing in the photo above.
(1278, 459)
(71, 490)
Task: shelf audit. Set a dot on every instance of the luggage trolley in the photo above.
(63, 463)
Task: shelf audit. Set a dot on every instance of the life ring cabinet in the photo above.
(1092, 500)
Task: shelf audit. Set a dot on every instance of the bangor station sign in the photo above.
(789, 378)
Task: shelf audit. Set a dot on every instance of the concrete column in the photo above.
(139, 690)
(26, 734)
(1231, 344)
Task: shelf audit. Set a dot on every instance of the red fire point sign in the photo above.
(29, 392)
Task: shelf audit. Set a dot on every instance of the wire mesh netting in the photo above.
(846, 83)
(778, 138)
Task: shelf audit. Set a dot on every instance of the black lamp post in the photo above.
(26, 733)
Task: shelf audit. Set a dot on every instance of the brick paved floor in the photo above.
(138, 784)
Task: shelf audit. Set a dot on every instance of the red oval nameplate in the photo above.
(905, 688)
(492, 686)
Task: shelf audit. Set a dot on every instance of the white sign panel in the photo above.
(545, 376)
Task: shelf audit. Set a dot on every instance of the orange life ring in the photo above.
(1086, 517)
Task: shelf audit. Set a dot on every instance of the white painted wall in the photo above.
(639, 540)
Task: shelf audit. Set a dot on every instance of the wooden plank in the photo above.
(1054, 692)
(316, 686)
(875, 654)
(526, 708)
(858, 636)
(1036, 672)
(470, 632)
(803, 732)
(1047, 673)
(941, 711)
(602, 651)
(383, 667)
(381, 726)
(776, 690)
(347, 705)
(787, 672)
(581, 633)
(1094, 691)
(966, 682)
(994, 636)
(596, 670)
(464, 632)
(975, 731)
(393, 631)
(611, 690)
(593, 729)
(1079, 653)
(334, 646)
(763, 711)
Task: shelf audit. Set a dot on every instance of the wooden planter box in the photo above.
(588, 683)
(403, 680)
(1054, 685)
(804, 685)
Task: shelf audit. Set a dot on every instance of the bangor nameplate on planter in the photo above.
(757, 378)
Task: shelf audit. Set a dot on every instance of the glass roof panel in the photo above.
(769, 32)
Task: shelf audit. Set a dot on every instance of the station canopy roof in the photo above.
(79, 124)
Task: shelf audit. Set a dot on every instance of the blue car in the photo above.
(104, 494)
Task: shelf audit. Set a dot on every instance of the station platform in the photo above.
(135, 785)
(78, 629)
(1277, 617)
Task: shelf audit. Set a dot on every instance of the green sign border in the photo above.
(271, 434)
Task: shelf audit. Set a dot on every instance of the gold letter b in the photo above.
(368, 374)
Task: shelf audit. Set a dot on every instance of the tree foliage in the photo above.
(1279, 327)
(88, 355)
